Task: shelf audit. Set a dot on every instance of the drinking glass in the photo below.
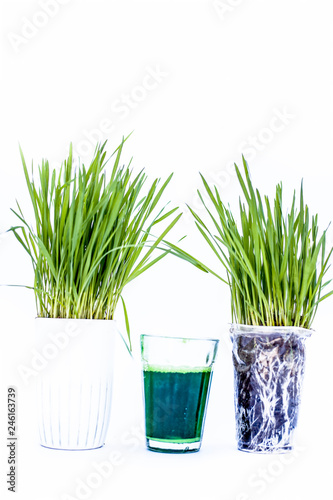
(177, 374)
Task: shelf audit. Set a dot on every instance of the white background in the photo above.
(225, 71)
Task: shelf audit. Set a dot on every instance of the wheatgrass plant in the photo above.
(91, 234)
(276, 264)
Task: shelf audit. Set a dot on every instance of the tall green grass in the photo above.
(92, 234)
(276, 264)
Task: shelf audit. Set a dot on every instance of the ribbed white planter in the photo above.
(75, 387)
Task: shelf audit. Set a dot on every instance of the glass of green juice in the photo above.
(177, 374)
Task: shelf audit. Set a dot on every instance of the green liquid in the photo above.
(175, 403)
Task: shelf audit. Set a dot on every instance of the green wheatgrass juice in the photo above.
(175, 401)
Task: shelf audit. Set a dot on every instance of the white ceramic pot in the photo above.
(74, 387)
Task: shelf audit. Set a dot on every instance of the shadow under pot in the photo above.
(268, 375)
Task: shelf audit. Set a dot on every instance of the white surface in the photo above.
(202, 88)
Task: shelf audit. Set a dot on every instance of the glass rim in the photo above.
(144, 335)
(238, 329)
